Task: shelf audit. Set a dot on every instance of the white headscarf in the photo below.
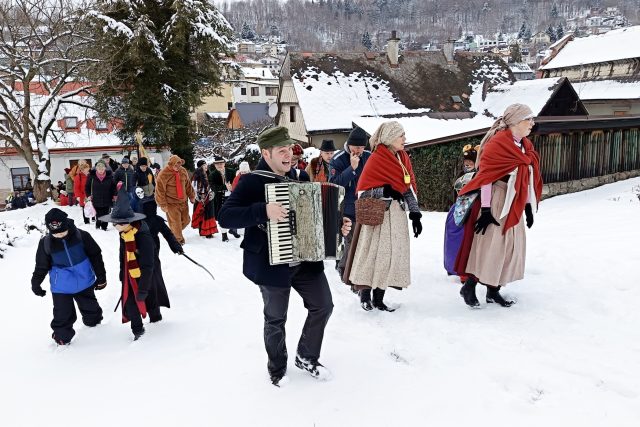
(514, 114)
(386, 134)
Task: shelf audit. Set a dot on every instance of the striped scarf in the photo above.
(129, 238)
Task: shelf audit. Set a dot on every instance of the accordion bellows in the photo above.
(315, 217)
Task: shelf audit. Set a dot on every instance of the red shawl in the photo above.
(383, 167)
(498, 157)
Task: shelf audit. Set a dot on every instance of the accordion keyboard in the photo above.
(280, 232)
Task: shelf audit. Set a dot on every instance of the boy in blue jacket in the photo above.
(74, 263)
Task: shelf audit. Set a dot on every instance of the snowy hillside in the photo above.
(567, 354)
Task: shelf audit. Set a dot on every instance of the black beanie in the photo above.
(358, 138)
(56, 221)
(200, 163)
(142, 161)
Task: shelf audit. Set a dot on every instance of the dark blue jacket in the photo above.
(246, 208)
(73, 263)
(341, 173)
(128, 176)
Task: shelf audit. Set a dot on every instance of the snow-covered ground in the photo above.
(567, 354)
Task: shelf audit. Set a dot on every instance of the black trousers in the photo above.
(316, 296)
(64, 312)
(100, 212)
(132, 312)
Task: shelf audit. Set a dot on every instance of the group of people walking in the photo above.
(502, 173)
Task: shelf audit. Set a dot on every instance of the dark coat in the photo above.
(299, 175)
(101, 192)
(341, 173)
(142, 178)
(127, 176)
(246, 208)
(216, 182)
(59, 256)
(145, 255)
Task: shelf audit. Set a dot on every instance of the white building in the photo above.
(255, 85)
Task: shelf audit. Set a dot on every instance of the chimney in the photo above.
(393, 49)
(447, 49)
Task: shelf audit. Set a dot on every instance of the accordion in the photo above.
(312, 232)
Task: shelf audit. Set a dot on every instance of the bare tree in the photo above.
(228, 143)
(40, 54)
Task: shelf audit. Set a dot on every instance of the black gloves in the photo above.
(415, 223)
(176, 247)
(484, 221)
(37, 289)
(100, 286)
(528, 213)
(387, 191)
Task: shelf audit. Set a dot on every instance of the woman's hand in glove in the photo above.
(528, 213)
(415, 223)
(484, 221)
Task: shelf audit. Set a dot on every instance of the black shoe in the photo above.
(210, 236)
(378, 295)
(493, 295)
(468, 292)
(155, 319)
(138, 334)
(279, 380)
(58, 340)
(235, 234)
(314, 368)
(365, 299)
(225, 238)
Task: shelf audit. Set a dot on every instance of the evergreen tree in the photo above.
(366, 41)
(554, 12)
(559, 32)
(551, 33)
(514, 53)
(522, 31)
(159, 60)
(247, 33)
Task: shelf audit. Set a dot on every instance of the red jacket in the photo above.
(79, 182)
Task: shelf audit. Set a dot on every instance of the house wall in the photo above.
(247, 97)
(625, 107)
(215, 103)
(338, 139)
(602, 70)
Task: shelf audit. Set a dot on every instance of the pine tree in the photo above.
(159, 60)
(554, 12)
(514, 53)
(366, 41)
(522, 31)
(559, 32)
(247, 33)
(551, 33)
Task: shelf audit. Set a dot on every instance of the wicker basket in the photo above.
(370, 211)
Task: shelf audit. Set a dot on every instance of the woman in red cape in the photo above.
(381, 257)
(494, 247)
(203, 213)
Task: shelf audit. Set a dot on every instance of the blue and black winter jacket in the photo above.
(341, 173)
(73, 263)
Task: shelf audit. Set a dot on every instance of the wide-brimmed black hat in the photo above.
(327, 145)
(122, 212)
(218, 159)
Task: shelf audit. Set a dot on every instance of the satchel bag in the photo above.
(370, 211)
(463, 207)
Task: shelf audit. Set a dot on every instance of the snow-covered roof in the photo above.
(423, 128)
(520, 67)
(257, 73)
(611, 46)
(334, 89)
(608, 89)
(534, 93)
(214, 115)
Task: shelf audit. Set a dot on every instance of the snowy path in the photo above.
(567, 354)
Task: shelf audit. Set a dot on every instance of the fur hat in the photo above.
(56, 221)
(358, 138)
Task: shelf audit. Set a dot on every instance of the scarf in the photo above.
(320, 170)
(499, 157)
(512, 115)
(179, 189)
(101, 176)
(129, 238)
(383, 167)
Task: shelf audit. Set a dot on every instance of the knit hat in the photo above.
(327, 145)
(122, 212)
(142, 161)
(274, 137)
(244, 167)
(125, 160)
(358, 138)
(200, 163)
(101, 162)
(218, 159)
(56, 221)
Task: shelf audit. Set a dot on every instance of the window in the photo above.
(292, 114)
(101, 124)
(255, 91)
(229, 105)
(71, 122)
(21, 179)
(243, 91)
(272, 91)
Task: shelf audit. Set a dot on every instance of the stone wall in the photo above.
(558, 188)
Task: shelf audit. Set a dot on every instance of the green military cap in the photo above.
(274, 137)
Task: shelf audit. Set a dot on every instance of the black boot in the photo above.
(225, 238)
(138, 334)
(234, 233)
(365, 299)
(378, 296)
(493, 295)
(468, 292)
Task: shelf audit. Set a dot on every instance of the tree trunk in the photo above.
(41, 190)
